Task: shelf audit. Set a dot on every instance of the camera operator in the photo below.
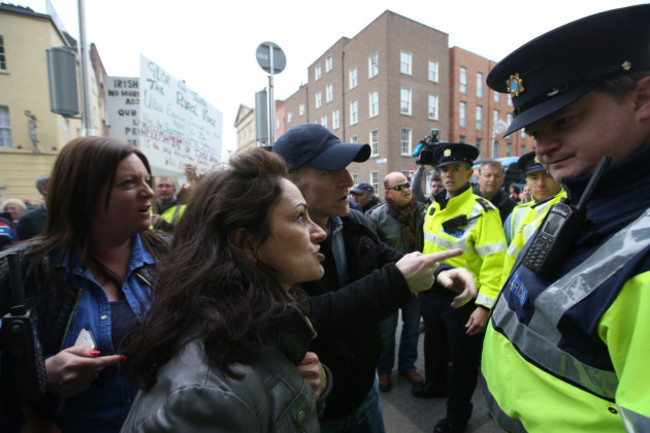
(424, 152)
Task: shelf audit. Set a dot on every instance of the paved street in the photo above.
(404, 413)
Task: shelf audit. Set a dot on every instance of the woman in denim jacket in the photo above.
(91, 269)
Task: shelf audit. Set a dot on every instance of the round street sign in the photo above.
(264, 57)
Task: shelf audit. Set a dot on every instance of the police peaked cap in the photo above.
(454, 153)
(530, 164)
(557, 68)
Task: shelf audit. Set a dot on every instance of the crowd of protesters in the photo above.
(254, 299)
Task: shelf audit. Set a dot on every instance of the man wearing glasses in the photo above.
(452, 339)
(399, 223)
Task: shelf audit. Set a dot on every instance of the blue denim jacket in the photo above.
(104, 406)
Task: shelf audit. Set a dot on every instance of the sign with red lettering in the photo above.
(177, 126)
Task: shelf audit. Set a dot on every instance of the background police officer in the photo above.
(453, 337)
(526, 217)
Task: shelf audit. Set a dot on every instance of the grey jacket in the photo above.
(190, 396)
(389, 229)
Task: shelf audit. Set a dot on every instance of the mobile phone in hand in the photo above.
(86, 338)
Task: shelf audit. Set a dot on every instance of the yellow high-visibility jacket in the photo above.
(481, 238)
(523, 225)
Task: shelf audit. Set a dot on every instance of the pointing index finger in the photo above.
(443, 255)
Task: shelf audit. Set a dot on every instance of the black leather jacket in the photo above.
(346, 317)
(191, 396)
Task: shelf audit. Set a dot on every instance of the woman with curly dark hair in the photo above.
(225, 345)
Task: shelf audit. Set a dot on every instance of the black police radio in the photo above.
(560, 228)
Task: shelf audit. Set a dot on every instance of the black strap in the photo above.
(17, 288)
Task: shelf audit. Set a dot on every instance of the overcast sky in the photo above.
(211, 44)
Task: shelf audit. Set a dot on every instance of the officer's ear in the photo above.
(642, 99)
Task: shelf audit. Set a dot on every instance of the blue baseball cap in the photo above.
(363, 187)
(315, 146)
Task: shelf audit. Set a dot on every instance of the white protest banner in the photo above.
(122, 102)
(177, 126)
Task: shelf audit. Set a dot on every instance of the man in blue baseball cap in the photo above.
(365, 280)
(567, 348)
(364, 195)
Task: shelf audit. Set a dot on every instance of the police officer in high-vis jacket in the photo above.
(459, 219)
(526, 217)
(567, 348)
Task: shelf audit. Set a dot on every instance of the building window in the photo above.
(317, 72)
(462, 139)
(301, 109)
(433, 107)
(374, 180)
(319, 99)
(328, 64)
(277, 123)
(354, 139)
(479, 146)
(405, 101)
(405, 62)
(355, 178)
(496, 97)
(508, 149)
(289, 117)
(373, 99)
(495, 149)
(353, 77)
(374, 142)
(479, 118)
(323, 120)
(433, 71)
(354, 112)
(405, 141)
(523, 133)
(462, 114)
(523, 149)
(509, 119)
(5, 127)
(509, 99)
(463, 80)
(3, 58)
(479, 85)
(373, 65)
(495, 121)
(336, 119)
(329, 93)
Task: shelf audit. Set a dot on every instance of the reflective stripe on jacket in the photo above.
(481, 239)
(562, 386)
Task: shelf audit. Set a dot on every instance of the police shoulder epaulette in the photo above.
(484, 203)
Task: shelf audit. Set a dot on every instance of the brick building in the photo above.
(479, 115)
(387, 86)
